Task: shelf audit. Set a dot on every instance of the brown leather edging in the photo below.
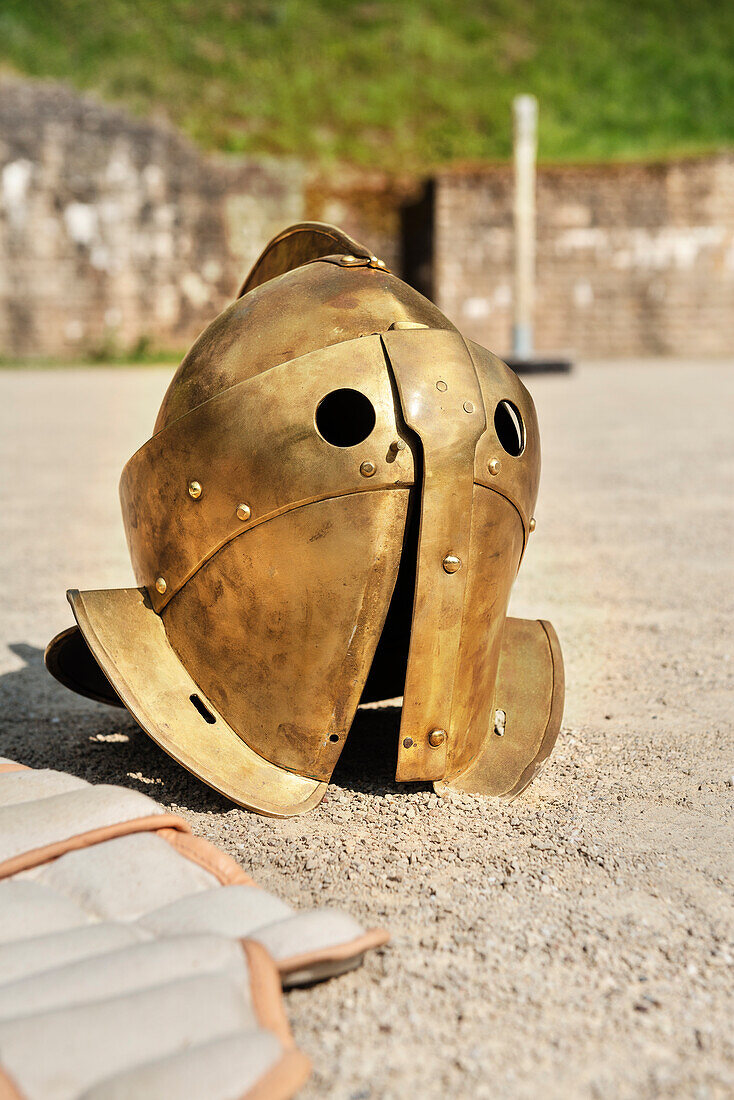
(266, 991)
(11, 766)
(8, 1088)
(375, 937)
(36, 856)
(225, 869)
(284, 1079)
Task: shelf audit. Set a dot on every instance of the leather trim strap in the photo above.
(225, 869)
(266, 992)
(8, 1088)
(11, 766)
(375, 937)
(282, 1081)
(37, 856)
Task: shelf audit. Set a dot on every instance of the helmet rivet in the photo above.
(160, 585)
(494, 466)
(397, 445)
(194, 490)
(531, 525)
(451, 563)
(407, 742)
(441, 386)
(468, 407)
(436, 738)
(243, 512)
(367, 469)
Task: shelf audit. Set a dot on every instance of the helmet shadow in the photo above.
(44, 725)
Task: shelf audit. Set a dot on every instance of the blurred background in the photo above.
(148, 151)
(575, 944)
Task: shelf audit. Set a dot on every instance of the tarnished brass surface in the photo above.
(129, 642)
(518, 477)
(530, 692)
(494, 553)
(287, 620)
(448, 436)
(301, 311)
(270, 456)
(333, 506)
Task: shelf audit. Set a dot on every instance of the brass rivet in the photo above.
(451, 563)
(367, 469)
(494, 466)
(161, 585)
(407, 742)
(468, 407)
(532, 523)
(397, 445)
(436, 738)
(441, 386)
(243, 512)
(194, 490)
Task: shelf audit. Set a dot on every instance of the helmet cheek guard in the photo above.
(336, 526)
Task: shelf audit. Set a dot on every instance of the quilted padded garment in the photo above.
(140, 959)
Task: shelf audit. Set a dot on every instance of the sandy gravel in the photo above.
(575, 943)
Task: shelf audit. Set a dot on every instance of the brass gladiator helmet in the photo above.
(331, 510)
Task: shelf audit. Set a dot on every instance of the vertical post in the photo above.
(525, 116)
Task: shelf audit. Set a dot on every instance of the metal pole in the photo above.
(525, 116)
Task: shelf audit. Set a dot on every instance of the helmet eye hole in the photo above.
(510, 428)
(345, 418)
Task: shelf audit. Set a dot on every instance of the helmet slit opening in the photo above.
(386, 678)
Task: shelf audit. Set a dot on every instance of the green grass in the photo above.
(101, 358)
(397, 84)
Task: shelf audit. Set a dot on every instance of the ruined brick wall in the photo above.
(632, 259)
(115, 232)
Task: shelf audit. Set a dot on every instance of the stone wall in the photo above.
(115, 232)
(632, 259)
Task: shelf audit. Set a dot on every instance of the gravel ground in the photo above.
(574, 943)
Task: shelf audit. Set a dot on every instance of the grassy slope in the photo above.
(400, 84)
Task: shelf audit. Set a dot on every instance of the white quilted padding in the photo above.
(212, 1071)
(229, 911)
(26, 826)
(137, 960)
(125, 877)
(19, 958)
(117, 973)
(28, 785)
(27, 909)
(58, 1055)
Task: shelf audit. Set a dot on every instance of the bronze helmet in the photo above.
(332, 509)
